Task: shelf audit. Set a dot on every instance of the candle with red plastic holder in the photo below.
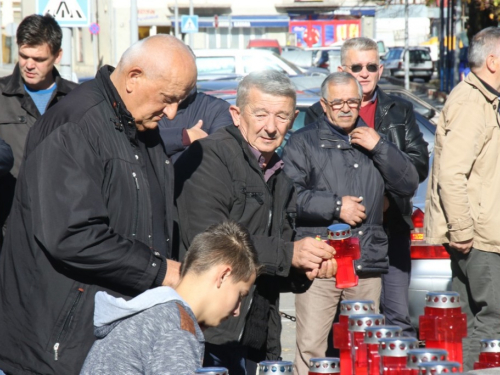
(372, 337)
(443, 324)
(325, 366)
(445, 367)
(346, 251)
(341, 337)
(359, 350)
(417, 356)
(275, 367)
(393, 354)
(490, 354)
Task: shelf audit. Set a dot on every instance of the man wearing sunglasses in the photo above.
(393, 119)
(341, 169)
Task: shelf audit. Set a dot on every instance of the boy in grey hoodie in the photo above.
(160, 331)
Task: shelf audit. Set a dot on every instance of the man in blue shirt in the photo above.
(34, 86)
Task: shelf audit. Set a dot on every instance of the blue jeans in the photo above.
(232, 357)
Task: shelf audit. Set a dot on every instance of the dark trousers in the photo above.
(476, 276)
(232, 357)
(394, 299)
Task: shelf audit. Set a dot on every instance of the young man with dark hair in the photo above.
(160, 331)
(34, 86)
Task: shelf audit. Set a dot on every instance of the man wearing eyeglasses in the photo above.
(341, 169)
(394, 119)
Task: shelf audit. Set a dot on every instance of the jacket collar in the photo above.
(474, 81)
(384, 103)
(123, 119)
(15, 85)
(326, 129)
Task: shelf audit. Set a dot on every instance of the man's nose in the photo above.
(30, 64)
(171, 110)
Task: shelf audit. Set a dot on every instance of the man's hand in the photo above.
(196, 132)
(386, 203)
(365, 137)
(308, 254)
(173, 275)
(463, 246)
(352, 211)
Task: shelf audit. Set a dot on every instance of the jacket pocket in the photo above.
(65, 322)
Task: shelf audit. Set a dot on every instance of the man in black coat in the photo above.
(393, 118)
(6, 158)
(34, 86)
(341, 169)
(93, 208)
(235, 174)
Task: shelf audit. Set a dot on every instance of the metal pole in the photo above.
(1, 39)
(191, 12)
(407, 47)
(66, 60)
(94, 38)
(134, 29)
(176, 17)
(442, 56)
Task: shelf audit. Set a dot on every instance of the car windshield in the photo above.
(215, 65)
(394, 54)
(419, 55)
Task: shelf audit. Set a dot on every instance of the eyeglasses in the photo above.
(356, 68)
(339, 104)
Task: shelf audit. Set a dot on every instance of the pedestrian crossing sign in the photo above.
(68, 13)
(189, 24)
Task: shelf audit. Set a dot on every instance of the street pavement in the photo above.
(287, 305)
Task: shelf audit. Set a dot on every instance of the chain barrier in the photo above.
(286, 316)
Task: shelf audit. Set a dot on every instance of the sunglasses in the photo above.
(356, 68)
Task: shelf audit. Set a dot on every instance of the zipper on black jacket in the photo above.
(136, 217)
(67, 323)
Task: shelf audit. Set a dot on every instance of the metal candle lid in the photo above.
(428, 368)
(442, 300)
(339, 231)
(212, 371)
(327, 365)
(374, 334)
(490, 346)
(275, 367)
(359, 323)
(418, 356)
(353, 307)
(396, 347)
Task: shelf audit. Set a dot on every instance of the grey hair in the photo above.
(339, 78)
(484, 43)
(270, 82)
(357, 44)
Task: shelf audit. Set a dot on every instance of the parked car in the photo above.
(291, 48)
(421, 64)
(223, 63)
(267, 44)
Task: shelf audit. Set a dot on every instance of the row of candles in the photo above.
(369, 347)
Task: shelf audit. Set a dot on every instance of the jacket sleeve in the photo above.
(6, 158)
(172, 139)
(204, 192)
(464, 129)
(397, 169)
(70, 219)
(312, 204)
(416, 146)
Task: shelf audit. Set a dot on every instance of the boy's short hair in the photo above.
(226, 243)
(36, 30)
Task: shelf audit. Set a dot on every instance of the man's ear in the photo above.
(223, 274)
(235, 114)
(293, 120)
(58, 56)
(134, 75)
(340, 68)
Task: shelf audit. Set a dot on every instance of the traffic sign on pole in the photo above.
(68, 13)
(189, 24)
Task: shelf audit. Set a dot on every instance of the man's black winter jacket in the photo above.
(395, 119)
(218, 178)
(81, 222)
(325, 167)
